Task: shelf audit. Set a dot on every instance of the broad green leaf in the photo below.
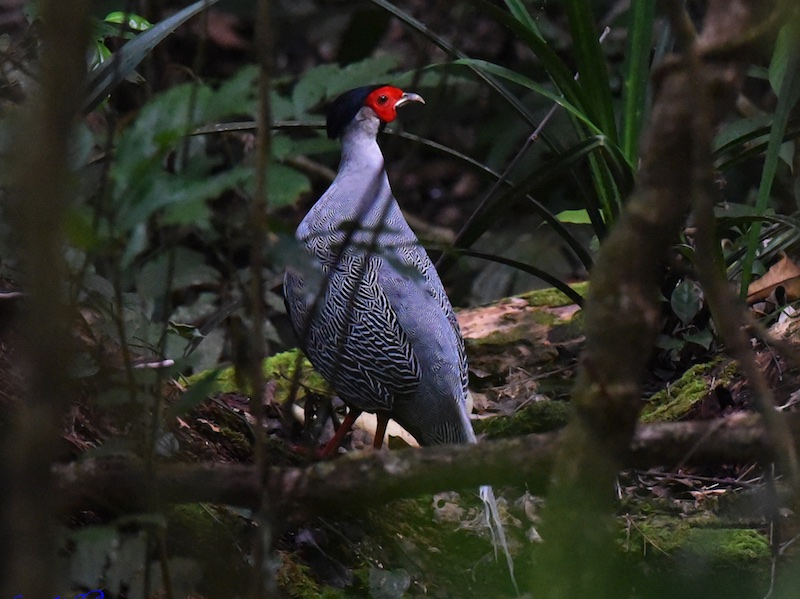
(576, 217)
(364, 72)
(79, 228)
(312, 87)
(198, 392)
(686, 300)
(237, 96)
(742, 131)
(703, 338)
(183, 199)
(285, 185)
(169, 271)
(101, 54)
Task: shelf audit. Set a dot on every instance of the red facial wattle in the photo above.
(384, 102)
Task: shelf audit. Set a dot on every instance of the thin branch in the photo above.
(263, 581)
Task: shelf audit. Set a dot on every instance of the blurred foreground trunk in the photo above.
(693, 91)
(42, 186)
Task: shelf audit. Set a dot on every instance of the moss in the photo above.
(406, 533)
(509, 334)
(239, 440)
(731, 547)
(280, 368)
(664, 534)
(567, 330)
(536, 417)
(552, 297)
(295, 581)
(697, 538)
(677, 400)
(194, 528)
(203, 525)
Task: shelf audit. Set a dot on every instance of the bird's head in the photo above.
(384, 100)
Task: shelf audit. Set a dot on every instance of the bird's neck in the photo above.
(360, 151)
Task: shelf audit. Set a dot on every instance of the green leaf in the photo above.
(188, 269)
(741, 131)
(312, 87)
(445, 45)
(237, 96)
(480, 221)
(101, 54)
(79, 229)
(591, 67)
(198, 392)
(183, 199)
(520, 12)
(519, 79)
(784, 57)
(786, 64)
(703, 338)
(686, 300)
(285, 185)
(364, 72)
(637, 68)
(123, 62)
(557, 70)
(752, 144)
(576, 217)
(132, 21)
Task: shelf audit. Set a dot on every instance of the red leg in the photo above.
(343, 429)
(380, 431)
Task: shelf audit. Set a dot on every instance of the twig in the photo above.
(263, 581)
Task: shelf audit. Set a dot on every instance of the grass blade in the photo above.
(785, 62)
(417, 25)
(519, 79)
(637, 68)
(520, 12)
(557, 70)
(592, 67)
(482, 219)
(545, 276)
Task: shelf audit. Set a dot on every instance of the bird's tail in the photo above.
(491, 511)
(495, 525)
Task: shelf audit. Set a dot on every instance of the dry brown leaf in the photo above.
(784, 273)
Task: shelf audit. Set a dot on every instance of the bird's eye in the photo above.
(382, 99)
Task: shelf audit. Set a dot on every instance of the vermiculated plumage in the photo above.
(383, 331)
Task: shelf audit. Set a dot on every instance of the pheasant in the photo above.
(376, 321)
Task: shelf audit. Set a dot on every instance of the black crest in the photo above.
(344, 108)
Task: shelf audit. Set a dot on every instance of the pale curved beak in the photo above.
(409, 97)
